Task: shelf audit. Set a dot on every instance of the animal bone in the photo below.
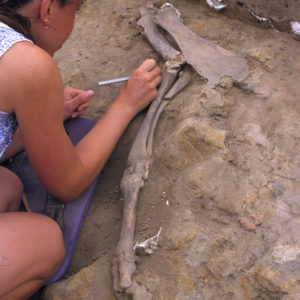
(154, 36)
(147, 247)
(138, 165)
(183, 80)
(209, 60)
(295, 27)
(216, 4)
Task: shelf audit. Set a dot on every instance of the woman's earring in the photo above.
(46, 21)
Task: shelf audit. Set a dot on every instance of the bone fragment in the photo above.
(211, 61)
(183, 80)
(216, 4)
(147, 247)
(295, 27)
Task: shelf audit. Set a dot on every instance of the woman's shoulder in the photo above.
(26, 71)
(25, 63)
(26, 55)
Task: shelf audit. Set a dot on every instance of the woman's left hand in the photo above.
(76, 101)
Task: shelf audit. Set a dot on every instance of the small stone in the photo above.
(248, 224)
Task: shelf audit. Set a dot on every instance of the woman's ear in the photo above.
(46, 11)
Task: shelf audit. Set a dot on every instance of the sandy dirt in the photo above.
(105, 44)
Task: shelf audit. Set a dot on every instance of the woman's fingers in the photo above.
(70, 92)
(80, 103)
(140, 89)
(155, 73)
(147, 65)
(82, 107)
(83, 98)
(156, 80)
(76, 101)
(147, 71)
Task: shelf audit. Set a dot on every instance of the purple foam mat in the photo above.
(75, 210)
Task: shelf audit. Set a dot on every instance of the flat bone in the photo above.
(152, 33)
(209, 60)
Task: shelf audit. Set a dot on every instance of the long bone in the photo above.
(209, 60)
(138, 165)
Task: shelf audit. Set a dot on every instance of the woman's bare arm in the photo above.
(75, 103)
(38, 99)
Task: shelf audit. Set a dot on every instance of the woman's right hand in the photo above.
(140, 89)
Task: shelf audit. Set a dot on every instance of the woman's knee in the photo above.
(36, 249)
(11, 190)
(54, 250)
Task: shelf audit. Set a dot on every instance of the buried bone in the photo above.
(211, 61)
(138, 165)
(154, 36)
(216, 4)
(183, 80)
(147, 247)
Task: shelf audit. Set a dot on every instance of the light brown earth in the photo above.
(224, 184)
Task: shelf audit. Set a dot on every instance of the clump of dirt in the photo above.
(224, 180)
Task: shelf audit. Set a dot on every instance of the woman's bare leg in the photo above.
(11, 189)
(31, 245)
(31, 249)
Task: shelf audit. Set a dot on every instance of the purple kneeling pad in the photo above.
(75, 210)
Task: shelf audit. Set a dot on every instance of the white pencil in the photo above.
(113, 80)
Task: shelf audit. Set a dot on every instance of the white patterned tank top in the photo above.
(8, 122)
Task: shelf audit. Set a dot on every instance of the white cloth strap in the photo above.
(3, 25)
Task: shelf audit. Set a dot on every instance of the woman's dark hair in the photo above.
(10, 16)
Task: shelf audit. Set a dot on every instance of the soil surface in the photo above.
(225, 173)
